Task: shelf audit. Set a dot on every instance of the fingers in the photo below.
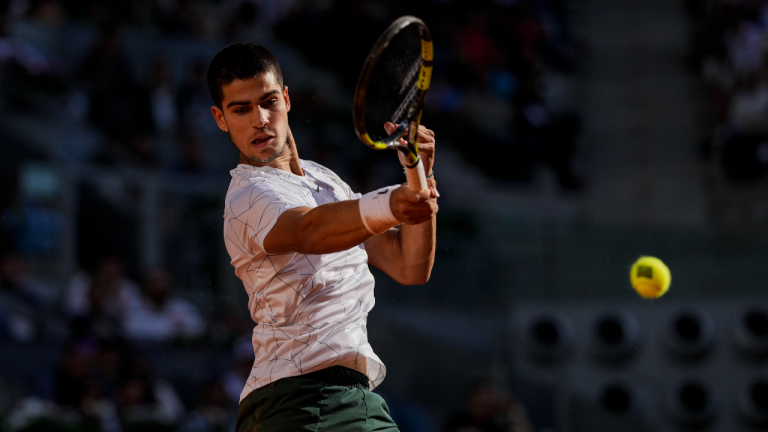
(414, 196)
(391, 127)
(433, 187)
(425, 139)
(423, 135)
(412, 214)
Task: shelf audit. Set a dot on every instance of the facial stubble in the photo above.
(278, 151)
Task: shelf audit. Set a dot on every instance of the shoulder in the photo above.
(255, 197)
(253, 185)
(315, 167)
(263, 188)
(326, 173)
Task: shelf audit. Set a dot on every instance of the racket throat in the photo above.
(411, 159)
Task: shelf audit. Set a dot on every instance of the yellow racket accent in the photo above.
(412, 137)
(378, 145)
(426, 50)
(425, 76)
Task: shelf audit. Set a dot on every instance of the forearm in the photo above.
(417, 250)
(407, 254)
(417, 247)
(328, 228)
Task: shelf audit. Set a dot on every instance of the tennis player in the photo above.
(301, 240)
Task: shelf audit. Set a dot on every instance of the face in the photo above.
(254, 113)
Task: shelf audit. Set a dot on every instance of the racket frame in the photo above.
(414, 167)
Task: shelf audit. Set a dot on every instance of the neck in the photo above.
(288, 161)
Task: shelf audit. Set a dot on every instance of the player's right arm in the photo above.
(338, 226)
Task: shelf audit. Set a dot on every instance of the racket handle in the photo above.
(417, 180)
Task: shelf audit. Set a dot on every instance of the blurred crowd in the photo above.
(503, 71)
(120, 84)
(127, 78)
(488, 408)
(100, 339)
(107, 336)
(729, 51)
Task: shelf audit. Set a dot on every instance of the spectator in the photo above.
(182, 18)
(160, 95)
(242, 362)
(109, 83)
(160, 315)
(115, 292)
(115, 103)
(74, 381)
(100, 320)
(24, 302)
(489, 409)
(19, 52)
(748, 110)
(215, 412)
(141, 398)
(105, 379)
(15, 279)
(729, 52)
(191, 154)
(193, 101)
(10, 394)
(193, 105)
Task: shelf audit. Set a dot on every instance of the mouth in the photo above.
(262, 141)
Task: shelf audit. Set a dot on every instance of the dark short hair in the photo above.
(240, 60)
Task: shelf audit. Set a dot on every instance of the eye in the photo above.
(270, 102)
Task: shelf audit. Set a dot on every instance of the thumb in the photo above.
(389, 127)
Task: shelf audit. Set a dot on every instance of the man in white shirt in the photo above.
(301, 240)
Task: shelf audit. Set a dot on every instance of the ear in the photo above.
(287, 98)
(218, 115)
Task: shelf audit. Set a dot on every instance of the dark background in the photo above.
(573, 137)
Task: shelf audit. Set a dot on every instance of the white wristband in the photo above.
(375, 210)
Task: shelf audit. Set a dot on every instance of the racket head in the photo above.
(393, 84)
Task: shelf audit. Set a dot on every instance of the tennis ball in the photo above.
(650, 277)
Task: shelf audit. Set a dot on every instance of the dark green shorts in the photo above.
(332, 399)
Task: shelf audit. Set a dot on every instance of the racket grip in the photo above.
(417, 180)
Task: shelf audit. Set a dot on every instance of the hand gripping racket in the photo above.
(391, 88)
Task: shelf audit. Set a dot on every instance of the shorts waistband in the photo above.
(338, 375)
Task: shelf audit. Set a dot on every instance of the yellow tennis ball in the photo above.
(650, 277)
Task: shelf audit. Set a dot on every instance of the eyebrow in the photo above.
(265, 96)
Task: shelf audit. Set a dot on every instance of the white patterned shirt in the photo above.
(310, 310)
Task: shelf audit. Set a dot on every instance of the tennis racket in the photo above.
(391, 88)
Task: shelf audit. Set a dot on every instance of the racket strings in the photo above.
(409, 79)
(401, 113)
(392, 89)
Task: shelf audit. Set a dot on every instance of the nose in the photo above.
(260, 118)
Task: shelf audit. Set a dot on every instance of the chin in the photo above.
(264, 157)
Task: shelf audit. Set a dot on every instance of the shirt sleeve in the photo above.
(346, 192)
(350, 194)
(254, 210)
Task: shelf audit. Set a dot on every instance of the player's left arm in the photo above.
(408, 254)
